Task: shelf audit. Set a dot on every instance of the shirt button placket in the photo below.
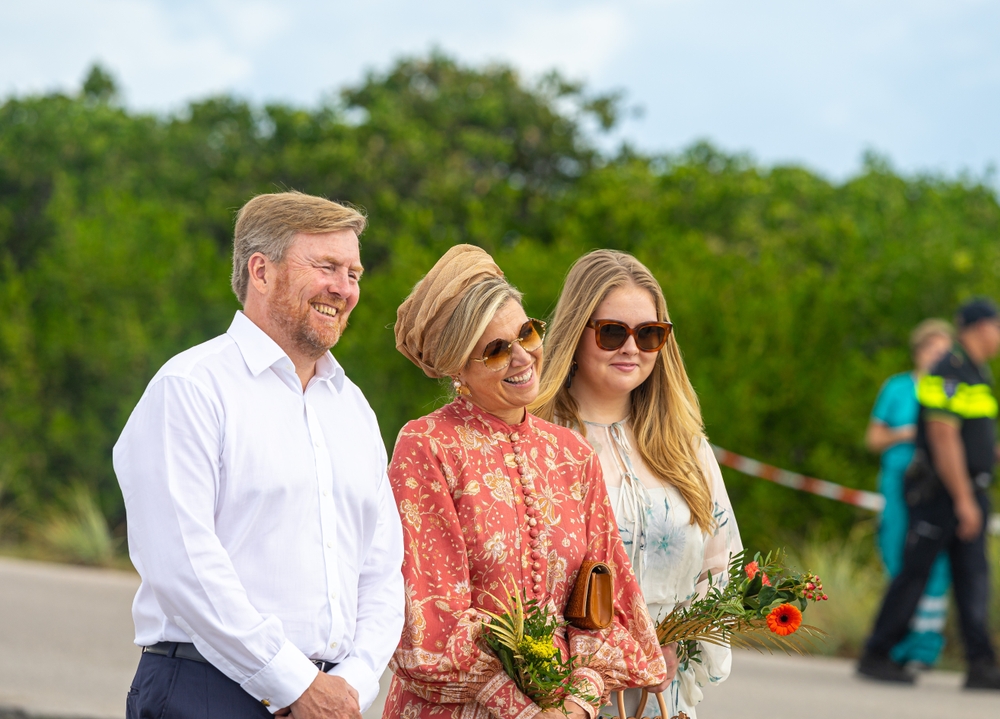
(324, 476)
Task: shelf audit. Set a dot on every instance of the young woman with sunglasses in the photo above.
(489, 494)
(614, 372)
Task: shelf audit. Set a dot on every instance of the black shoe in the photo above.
(983, 675)
(883, 669)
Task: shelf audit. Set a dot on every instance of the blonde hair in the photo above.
(268, 224)
(665, 416)
(469, 320)
(927, 329)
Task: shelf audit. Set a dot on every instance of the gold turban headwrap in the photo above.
(425, 313)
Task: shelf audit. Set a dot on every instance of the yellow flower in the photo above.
(532, 648)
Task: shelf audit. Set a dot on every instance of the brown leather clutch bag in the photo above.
(591, 605)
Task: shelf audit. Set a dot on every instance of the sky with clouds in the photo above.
(813, 83)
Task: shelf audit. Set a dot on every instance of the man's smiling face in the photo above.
(315, 289)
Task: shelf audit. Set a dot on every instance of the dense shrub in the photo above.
(792, 295)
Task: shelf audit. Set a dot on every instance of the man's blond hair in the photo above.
(268, 224)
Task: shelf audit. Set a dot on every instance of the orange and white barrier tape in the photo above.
(857, 497)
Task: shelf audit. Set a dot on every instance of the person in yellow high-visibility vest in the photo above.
(946, 489)
(892, 433)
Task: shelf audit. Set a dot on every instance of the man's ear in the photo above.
(257, 266)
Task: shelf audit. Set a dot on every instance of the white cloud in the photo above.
(580, 41)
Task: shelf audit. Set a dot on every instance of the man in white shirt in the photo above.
(260, 516)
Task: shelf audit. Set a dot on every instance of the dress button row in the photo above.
(525, 487)
(534, 517)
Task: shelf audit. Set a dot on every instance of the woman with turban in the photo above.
(615, 373)
(490, 495)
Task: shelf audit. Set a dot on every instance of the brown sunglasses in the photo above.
(497, 354)
(612, 334)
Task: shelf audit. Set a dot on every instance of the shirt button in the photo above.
(333, 645)
(324, 493)
(329, 545)
(333, 595)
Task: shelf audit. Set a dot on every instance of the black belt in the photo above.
(187, 650)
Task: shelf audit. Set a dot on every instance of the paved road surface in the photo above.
(66, 651)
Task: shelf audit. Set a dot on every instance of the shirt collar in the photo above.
(328, 369)
(261, 352)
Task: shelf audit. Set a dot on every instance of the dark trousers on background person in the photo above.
(174, 688)
(932, 530)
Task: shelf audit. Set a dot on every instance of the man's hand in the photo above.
(670, 657)
(970, 519)
(949, 459)
(328, 697)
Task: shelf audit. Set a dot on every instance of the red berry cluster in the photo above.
(814, 588)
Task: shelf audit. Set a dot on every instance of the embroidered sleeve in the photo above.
(439, 657)
(721, 544)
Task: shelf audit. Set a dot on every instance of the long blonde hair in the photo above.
(665, 415)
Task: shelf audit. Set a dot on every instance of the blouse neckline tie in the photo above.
(633, 502)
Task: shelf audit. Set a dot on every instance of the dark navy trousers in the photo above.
(173, 688)
(931, 531)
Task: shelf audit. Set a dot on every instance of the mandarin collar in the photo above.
(494, 423)
(261, 352)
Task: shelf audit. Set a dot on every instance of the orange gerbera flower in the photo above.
(784, 619)
(752, 569)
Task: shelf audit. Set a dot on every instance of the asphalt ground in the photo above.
(66, 652)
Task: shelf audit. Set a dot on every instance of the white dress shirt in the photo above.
(261, 519)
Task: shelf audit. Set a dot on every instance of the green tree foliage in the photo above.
(99, 85)
(792, 296)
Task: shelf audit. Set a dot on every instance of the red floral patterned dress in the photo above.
(484, 503)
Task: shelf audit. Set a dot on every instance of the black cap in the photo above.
(976, 309)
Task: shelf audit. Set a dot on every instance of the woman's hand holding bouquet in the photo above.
(521, 636)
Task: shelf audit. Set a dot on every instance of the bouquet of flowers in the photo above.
(760, 606)
(521, 637)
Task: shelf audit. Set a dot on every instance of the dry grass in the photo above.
(854, 581)
(78, 533)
